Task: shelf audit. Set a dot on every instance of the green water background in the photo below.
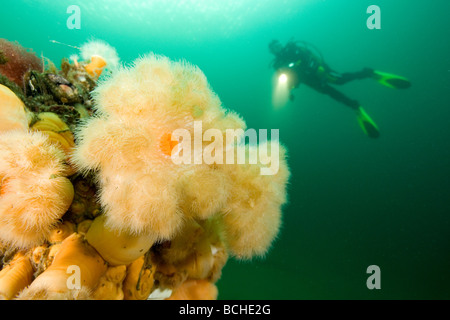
(354, 201)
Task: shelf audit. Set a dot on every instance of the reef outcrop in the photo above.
(92, 203)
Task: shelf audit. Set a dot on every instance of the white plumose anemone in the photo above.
(100, 48)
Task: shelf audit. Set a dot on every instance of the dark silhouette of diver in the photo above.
(300, 62)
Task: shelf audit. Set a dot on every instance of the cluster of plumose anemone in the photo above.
(92, 205)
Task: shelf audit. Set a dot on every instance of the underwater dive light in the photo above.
(280, 95)
(283, 78)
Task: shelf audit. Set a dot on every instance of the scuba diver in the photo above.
(300, 62)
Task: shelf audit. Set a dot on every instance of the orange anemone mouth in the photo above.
(168, 144)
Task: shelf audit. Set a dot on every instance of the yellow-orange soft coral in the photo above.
(117, 247)
(110, 284)
(74, 273)
(13, 114)
(197, 252)
(160, 227)
(15, 276)
(34, 190)
(139, 280)
(57, 130)
(61, 231)
(95, 67)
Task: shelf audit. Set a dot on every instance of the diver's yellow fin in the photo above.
(391, 80)
(369, 127)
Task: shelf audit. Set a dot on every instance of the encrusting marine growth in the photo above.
(16, 60)
(92, 205)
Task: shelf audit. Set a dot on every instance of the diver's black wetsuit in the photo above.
(303, 66)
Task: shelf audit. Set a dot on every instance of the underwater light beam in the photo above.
(280, 95)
